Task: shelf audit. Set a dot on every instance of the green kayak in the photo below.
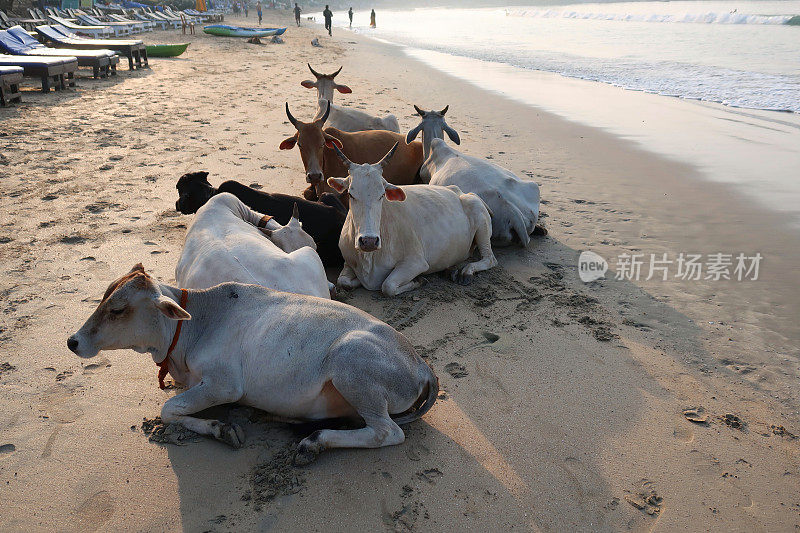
(166, 50)
(224, 30)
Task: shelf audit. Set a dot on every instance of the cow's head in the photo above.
(312, 142)
(290, 237)
(432, 126)
(368, 190)
(131, 315)
(194, 191)
(325, 85)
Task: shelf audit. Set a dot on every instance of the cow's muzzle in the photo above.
(313, 177)
(81, 349)
(368, 244)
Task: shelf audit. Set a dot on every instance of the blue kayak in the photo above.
(238, 31)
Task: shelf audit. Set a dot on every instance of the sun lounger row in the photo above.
(97, 23)
(60, 37)
(17, 42)
(23, 56)
(56, 72)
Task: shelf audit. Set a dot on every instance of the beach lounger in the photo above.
(8, 22)
(144, 25)
(60, 37)
(17, 41)
(119, 28)
(10, 78)
(157, 23)
(56, 72)
(90, 31)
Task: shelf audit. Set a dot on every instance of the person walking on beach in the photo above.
(328, 14)
(297, 14)
(258, 6)
(350, 14)
(246, 9)
(372, 19)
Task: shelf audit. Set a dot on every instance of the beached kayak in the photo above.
(166, 50)
(238, 31)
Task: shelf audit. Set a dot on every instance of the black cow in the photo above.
(322, 220)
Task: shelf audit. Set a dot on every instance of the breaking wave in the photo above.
(696, 18)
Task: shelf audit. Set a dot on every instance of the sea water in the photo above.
(714, 84)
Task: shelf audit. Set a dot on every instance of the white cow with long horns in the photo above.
(394, 234)
(514, 203)
(345, 118)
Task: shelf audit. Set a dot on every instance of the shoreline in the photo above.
(571, 418)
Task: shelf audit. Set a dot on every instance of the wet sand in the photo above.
(563, 402)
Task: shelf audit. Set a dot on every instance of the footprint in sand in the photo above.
(95, 511)
(683, 434)
(7, 448)
(59, 403)
(99, 365)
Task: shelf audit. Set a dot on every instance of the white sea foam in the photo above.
(747, 58)
(698, 18)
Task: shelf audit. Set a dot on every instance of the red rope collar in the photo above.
(163, 366)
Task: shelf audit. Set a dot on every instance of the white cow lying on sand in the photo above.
(514, 203)
(393, 234)
(225, 243)
(290, 355)
(345, 118)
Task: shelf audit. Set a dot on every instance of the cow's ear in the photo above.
(339, 184)
(171, 310)
(344, 89)
(138, 267)
(308, 84)
(289, 143)
(395, 194)
(330, 141)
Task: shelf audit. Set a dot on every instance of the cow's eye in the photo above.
(117, 312)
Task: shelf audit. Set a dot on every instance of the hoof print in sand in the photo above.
(696, 415)
(456, 370)
(645, 499)
(733, 421)
(6, 367)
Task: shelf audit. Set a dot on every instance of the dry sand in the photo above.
(563, 403)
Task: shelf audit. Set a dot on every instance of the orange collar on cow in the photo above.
(163, 366)
(264, 220)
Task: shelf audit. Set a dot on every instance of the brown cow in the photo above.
(321, 162)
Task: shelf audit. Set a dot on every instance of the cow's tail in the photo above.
(424, 402)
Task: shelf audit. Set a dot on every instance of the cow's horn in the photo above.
(331, 76)
(314, 72)
(289, 114)
(443, 111)
(327, 112)
(420, 112)
(295, 212)
(341, 155)
(385, 161)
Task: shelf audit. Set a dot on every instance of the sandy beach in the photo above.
(565, 405)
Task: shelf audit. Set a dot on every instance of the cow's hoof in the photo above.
(306, 454)
(230, 434)
(464, 278)
(539, 231)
